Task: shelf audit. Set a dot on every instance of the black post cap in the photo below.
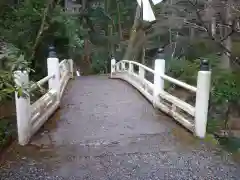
(112, 56)
(52, 52)
(159, 53)
(204, 66)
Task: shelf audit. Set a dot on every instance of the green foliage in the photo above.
(199, 48)
(183, 69)
(12, 60)
(7, 130)
(19, 25)
(99, 62)
(68, 27)
(108, 21)
(6, 85)
(226, 87)
(19, 29)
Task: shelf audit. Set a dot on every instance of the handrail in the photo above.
(165, 77)
(179, 83)
(62, 62)
(138, 64)
(41, 82)
(45, 79)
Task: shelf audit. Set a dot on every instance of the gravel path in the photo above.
(105, 130)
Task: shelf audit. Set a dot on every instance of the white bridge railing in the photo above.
(193, 118)
(30, 117)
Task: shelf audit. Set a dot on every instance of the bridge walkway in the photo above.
(105, 129)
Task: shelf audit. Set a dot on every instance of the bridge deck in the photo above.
(106, 130)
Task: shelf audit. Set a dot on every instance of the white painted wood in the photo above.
(22, 108)
(36, 126)
(63, 63)
(130, 67)
(202, 100)
(178, 103)
(175, 115)
(39, 107)
(78, 73)
(63, 67)
(149, 84)
(63, 83)
(113, 66)
(53, 68)
(118, 67)
(159, 68)
(142, 73)
(71, 67)
(140, 65)
(41, 82)
(123, 66)
(180, 83)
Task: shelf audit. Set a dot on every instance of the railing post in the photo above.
(141, 73)
(23, 108)
(130, 68)
(53, 69)
(123, 66)
(113, 67)
(159, 69)
(117, 67)
(202, 99)
(70, 67)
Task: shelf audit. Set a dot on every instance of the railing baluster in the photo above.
(113, 66)
(123, 66)
(141, 73)
(130, 68)
(70, 67)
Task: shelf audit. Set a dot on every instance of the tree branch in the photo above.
(220, 44)
(42, 28)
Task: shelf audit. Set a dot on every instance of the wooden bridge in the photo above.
(106, 128)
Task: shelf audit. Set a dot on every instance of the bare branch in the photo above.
(196, 26)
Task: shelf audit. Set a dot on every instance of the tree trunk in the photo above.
(225, 60)
(192, 33)
(86, 54)
(143, 61)
(134, 35)
(119, 20)
(42, 29)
